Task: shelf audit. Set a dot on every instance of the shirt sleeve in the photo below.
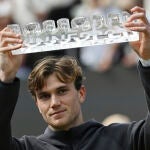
(145, 78)
(8, 99)
(145, 63)
(140, 131)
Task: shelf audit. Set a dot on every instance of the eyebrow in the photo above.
(40, 92)
(62, 87)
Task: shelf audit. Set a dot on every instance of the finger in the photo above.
(138, 16)
(138, 27)
(142, 14)
(9, 34)
(6, 29)
(137, 9)
(10, 48)
(134, 24)
(6, 32)
(11, 41)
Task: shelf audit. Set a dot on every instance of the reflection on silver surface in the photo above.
(15, 28)
(84, 31)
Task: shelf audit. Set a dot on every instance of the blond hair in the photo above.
(66, 69)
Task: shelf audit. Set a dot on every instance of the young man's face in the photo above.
(59, 103)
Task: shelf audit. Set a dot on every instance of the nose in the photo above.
(55, 101)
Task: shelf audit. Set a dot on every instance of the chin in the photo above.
(60, 124)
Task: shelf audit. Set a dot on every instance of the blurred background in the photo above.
(113, 85)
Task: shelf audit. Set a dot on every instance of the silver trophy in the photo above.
(97, 29)
(49, 29)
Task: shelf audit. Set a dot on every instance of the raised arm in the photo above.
(9, 64)
(139, 22)
(9, 85)
(139, 135)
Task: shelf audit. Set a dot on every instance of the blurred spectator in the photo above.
(36, 10)
(85, 8)
(30, 10)
(146, 4)
(62, 9)
(5, 13)
(126, 5)
(103, 58)
(27, 11)
(97, 58)
(23, 13)
(128, 58)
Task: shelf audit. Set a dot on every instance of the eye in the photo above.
(44, 96)
(62, 91)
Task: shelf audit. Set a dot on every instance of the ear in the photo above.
(82, 94)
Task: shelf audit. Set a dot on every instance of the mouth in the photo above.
(57, 112)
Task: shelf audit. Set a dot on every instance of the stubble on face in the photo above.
(65, 114)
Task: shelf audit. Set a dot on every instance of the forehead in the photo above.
(52, 83)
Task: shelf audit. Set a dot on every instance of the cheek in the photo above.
(74, 104)
(43, 107)
(77, 106)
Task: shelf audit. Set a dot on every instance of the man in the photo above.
(56, 85)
